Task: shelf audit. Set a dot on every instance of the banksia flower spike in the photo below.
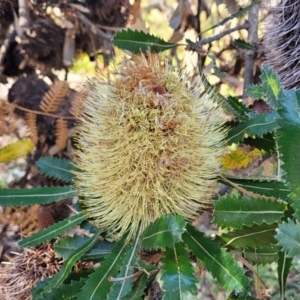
(282, 44)
(148, 146)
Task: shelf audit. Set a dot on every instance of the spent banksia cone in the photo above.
(148, 146)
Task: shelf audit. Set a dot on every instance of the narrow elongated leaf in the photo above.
(289, 145)
(123, 287)
(233, 16)
(218, 262)
(100, 249)
(58, 279)
(52, 231)
(16, 150)
(163, 232)
(178, 275)
(44, 195)
(283, 269)
(288, 237)
(66, 246)
(235, 211)
(139, 41)
(258, 126)
(138, 289)
(98, 285)
(250, 237)
(266, 142)
(243, 44)
(261, 255)
(56, 168)
(238, 107)
(266, 188)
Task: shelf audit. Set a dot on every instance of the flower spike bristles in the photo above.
(148, 146)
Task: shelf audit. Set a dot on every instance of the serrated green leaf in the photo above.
(44, 195)
(123, 287)
(218, 262)
(178, 277)
(272, 89)
(243, 44)
(98, 284)
(258, 126)
(256, 91)
(239, 107)
(53, 231)
(138, 289)
(100, 250)
(16, 150)
(64, 292)
(163, 232)
(235, 211)
(216, 69)
(266, 142)
(139, 41)
(57, 168)
(283, 269)
(66, 246)
(261, 255)
(288, 237)
(266, 188)
(238, 14)
(251, 237)
(58, 279)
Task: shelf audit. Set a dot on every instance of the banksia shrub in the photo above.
(282, 44)
(149, 145)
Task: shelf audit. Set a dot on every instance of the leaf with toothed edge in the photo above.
(218, 262)
(122, 287)
(139, 41)
(178, 277)
(57, 168)
(44, 195)
(98, 282)
(235, 211)
(52, 231)
(163, 232)
(138, 289)
(58, 279)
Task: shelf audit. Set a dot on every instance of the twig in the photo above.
(94, 29)
(220, 35)
(251, 54)
(43, 113)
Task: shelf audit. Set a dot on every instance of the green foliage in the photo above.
(178, 274)
(261, 254)
(164, 232)
(236, 211)
(284, 265)
(243, 44)
(56, 168)
(45, 195)
(52, 231)
(139, 41)
(220, 263)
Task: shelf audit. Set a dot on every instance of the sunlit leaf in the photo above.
(163, 232)
(52, 231)
(16, 150)
(139, 41)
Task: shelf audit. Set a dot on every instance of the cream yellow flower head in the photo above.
(148, 146)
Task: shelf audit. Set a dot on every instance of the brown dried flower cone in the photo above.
(22, 273)
(282, 43)
(148, 146)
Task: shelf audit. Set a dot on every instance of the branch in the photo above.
(251, 54)
(220, 35)
(94, 29)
